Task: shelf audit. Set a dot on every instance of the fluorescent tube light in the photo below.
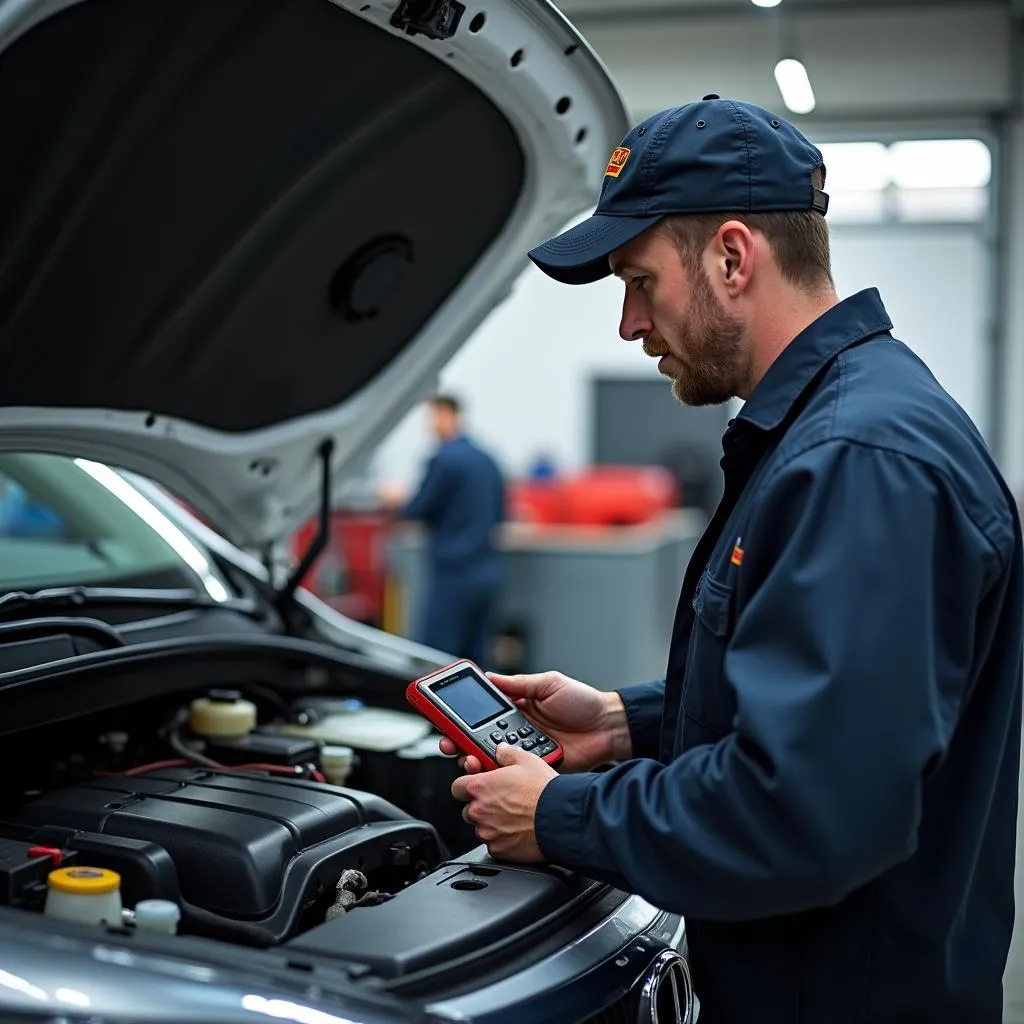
(795, 86)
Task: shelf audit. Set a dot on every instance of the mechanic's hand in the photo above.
(590, 724)
(392, 495)
(502, 804)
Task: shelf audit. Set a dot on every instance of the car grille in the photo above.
(670, 999)
(624, 1011)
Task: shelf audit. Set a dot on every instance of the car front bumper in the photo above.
(628, 968)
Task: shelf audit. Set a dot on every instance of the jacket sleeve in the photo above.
(849, 660)
(428, 502)
(643, 704)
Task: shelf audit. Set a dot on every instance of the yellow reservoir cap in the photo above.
(84, 881)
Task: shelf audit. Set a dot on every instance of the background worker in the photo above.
(461, 502)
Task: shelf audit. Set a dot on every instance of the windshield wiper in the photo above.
(92, 597)
(50, 626)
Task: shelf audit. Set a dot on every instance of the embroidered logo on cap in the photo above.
(617, 162)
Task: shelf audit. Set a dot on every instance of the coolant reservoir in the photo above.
(222, 714)
(85, 895)
(362, 728)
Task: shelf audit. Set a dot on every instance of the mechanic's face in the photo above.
(672, 308)
(443, 422)
(436, 421)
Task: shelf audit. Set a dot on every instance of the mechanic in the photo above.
(461, 500)
(825, 784)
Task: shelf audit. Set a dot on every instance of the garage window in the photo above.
(914, 180)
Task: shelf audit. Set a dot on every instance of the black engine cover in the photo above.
(245, 846)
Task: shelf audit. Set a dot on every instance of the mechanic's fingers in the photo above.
(506, 755)
(467, 815)
(460, 789)
(467, 764)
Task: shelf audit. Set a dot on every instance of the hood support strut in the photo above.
(319, 542)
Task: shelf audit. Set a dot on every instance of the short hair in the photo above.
(799, 239)
(449, 402)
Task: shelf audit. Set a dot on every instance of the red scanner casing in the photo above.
(426, 695)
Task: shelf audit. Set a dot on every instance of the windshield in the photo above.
(70, 522)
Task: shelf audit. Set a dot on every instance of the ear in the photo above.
(732, 251)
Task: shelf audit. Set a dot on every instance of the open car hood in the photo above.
(232, 231)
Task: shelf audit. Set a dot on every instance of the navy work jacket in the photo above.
(461, 501)
(825, 784)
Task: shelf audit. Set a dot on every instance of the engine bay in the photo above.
(259, 822)
(247, 857)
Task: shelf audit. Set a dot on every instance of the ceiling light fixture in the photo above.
(795, 85)
(766, 3)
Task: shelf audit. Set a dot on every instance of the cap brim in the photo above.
(580, 255)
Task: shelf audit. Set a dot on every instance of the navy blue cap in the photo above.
(715, 156)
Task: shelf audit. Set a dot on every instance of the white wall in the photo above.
(1013, 382)
(526, 373)
(933, 281)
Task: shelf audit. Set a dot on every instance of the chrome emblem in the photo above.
(667, 994)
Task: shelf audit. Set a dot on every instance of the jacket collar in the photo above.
(851, 321)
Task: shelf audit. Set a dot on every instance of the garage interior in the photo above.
(608, 482)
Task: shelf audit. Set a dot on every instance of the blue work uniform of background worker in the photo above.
(825, 784)
(461, 501)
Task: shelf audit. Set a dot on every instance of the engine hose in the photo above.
(178, 746)
(213, 926)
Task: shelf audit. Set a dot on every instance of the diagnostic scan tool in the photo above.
(476, 716)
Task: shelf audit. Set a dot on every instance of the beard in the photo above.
(707, 348)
